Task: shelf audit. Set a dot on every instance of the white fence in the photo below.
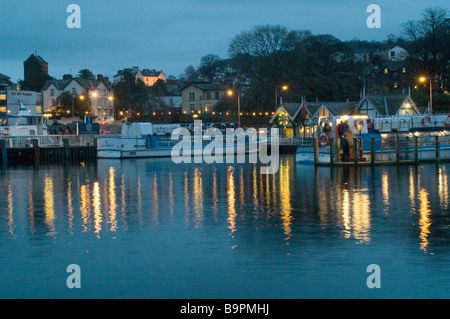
(48, 141)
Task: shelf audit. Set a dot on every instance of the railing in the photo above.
(397, 149)
(299, 141)
(48, 140)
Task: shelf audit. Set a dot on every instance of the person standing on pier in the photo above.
(345, 148)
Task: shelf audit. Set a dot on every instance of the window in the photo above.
(386, 70)
(404, 70)
(208, 95)
(191, 96)
(52, 102)
(217, 95)
(192, 107)
(52, 92)
(74, 91)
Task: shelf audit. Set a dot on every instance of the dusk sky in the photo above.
(170, 35)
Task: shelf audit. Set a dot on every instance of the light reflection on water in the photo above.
(295, 221)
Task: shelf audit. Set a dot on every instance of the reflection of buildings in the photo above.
(236, 201)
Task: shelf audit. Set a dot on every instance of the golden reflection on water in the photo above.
(69, 205)
(285, 194)
(412, 189)
(424, 221)
(96, 203)
(49, 204)
(123, 202)
(354, 212)
(361, 216)
(85, 207)
(10, 210)
(385, 190)
(198, 198)
(231, 200)
(443, 187)
(346, 213)
(112, 200)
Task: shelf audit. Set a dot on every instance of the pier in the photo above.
(52, 149)
(406, 150)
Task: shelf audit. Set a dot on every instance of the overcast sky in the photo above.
(171, 34)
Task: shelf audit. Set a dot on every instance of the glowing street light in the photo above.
(423, 79)
(284, 88)
(230, 93)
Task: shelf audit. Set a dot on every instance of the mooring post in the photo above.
(331, 151)
(66, 149)
(407, 147)
(397, 154)
(355, 151)
(316, 150)
(438, 155)
(372, 150)
(37, 155)
(416, 154)
(4, 154)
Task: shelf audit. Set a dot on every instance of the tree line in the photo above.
(322, 67)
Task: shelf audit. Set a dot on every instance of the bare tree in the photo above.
(209, 66)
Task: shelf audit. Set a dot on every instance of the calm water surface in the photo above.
(149, 228)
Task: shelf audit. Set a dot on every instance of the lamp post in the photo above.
(423, 79)
(230, 93)
(73, 102)
(284, 87)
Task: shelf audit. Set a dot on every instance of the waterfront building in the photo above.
(380, 105)
(201, 96)
(149, 77)
(10, 101)
(101, 103)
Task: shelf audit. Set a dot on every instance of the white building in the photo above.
(10, 101)
(100, 95)
(149, 77)
(395, 54)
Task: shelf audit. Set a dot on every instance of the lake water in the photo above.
(149, 228)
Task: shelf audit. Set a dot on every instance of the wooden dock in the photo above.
(42, 155)
(402, 154)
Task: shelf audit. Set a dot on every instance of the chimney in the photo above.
(99, 77)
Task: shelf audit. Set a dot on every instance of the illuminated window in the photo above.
(386, 71)
(404, 70)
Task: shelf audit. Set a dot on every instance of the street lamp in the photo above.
(284, 88)
(230, 93)
(423, 79)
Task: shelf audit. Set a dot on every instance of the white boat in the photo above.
(139, 140)
(23, 124)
